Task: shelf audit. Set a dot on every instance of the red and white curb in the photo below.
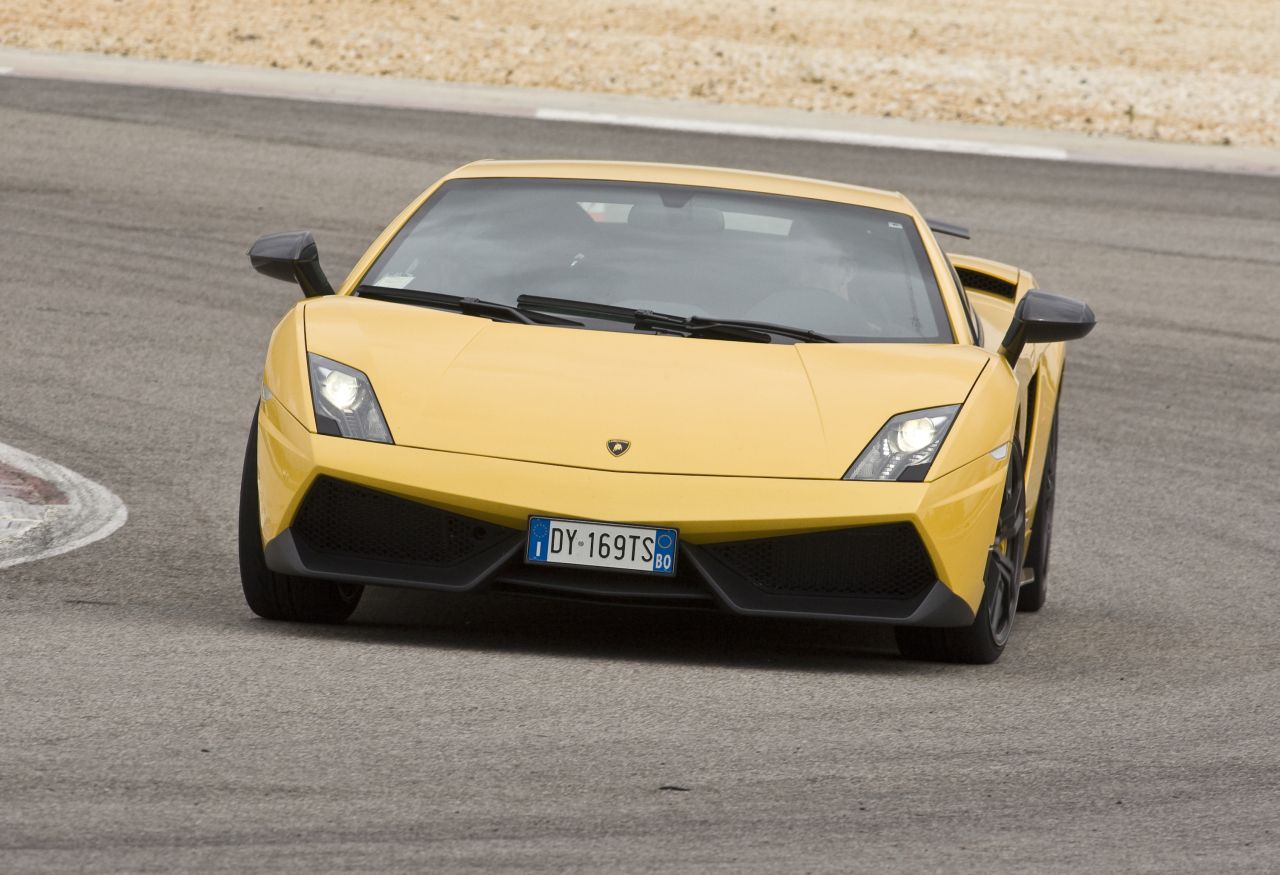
(47, 510)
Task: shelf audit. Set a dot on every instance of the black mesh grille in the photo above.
(883, 562)
(342, 518)
(985, 282)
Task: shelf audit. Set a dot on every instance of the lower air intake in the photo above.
(349, 520)
(878, 562)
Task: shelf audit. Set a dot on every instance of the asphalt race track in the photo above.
(148, 722)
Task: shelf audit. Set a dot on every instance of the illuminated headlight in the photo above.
(904, 449)
(344, 402)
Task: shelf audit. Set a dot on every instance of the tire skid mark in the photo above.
(47, 510)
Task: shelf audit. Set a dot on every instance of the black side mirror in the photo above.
(1044, 318)
(291, 256)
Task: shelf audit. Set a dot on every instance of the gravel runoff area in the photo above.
(1152, 69)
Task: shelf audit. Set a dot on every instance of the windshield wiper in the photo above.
(806, 334)
(642, 319)
(465, 305)
(701, 326)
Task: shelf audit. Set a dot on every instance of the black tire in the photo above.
(282, 596)
(1036, 590)
(982, 642)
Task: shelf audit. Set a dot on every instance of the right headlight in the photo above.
(906, 446)
(344, 402)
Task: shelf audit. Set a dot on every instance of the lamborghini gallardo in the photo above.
(662, 385)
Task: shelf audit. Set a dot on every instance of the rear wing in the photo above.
(938, 226)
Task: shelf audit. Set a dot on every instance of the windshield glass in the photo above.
(849, 272)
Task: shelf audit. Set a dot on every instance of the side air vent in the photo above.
(985, 282)
(1032, 391)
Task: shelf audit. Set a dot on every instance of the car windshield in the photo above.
(848, 272)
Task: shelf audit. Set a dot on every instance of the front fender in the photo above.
(986, 421)
(285, 377)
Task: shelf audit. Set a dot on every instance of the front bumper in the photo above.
(953, 517)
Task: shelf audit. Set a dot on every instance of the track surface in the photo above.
(150, 723)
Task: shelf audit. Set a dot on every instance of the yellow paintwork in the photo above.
(956, 514)
(285, 373)
(689, 406)
(729, 440)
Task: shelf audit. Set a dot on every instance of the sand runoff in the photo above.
(1206, 72)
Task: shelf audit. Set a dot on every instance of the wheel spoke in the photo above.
(1004, 579)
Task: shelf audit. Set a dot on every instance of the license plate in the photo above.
(601, 545)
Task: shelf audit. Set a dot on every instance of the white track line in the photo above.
(816, 135)
(636, 112)
(34, 531)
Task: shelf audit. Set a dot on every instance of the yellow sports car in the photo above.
(661, 385)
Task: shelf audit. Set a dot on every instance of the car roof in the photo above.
(687, 174)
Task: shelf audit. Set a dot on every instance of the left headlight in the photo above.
(906, 446)
(344, 402)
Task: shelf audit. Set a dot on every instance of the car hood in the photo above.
(684, 405)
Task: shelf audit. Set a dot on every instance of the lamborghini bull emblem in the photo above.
(617, 446)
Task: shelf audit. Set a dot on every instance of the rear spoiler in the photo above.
(940, 227)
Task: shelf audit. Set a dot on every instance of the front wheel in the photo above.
(282, 596)
(983, 641)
